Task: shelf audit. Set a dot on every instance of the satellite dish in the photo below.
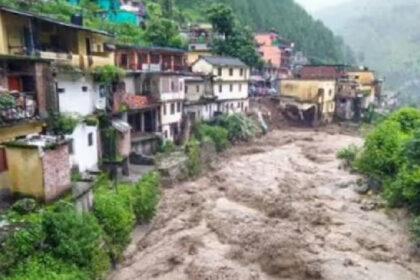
(100, 104)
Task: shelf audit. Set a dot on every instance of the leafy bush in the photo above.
(6, 100)
(381, 154)
(407, 118)
(108, 73)
(24, 240)
(415, 229)
(116, 216)
(46, 267)
(217, 134)
(239, 127)
(193, 152)
(348, 154)
(146, 197)
(73, 237)
(166, 147)
(65, 123)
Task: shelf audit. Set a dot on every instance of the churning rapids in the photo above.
(279, 208)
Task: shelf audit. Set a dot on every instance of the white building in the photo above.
(200, 102)
(80, 96)
(230, 81)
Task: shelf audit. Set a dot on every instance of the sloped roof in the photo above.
(52, 20)
(223, 61)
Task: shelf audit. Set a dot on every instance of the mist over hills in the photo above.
(384, 35)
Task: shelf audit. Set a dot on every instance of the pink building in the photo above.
(270, 52)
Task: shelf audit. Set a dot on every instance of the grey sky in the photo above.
(316, 5)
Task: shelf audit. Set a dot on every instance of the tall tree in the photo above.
(222, 19)
(167, 8)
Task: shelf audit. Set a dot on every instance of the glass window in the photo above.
(172, 108)
(220, 88)
(90, 139)
(219, 71)
(178, 107)
(231, 88)
(230, 71)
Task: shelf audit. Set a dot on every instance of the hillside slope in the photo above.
(384, 36)
(290, 19)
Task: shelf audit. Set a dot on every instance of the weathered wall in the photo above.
(56, 169)
(84, 156)
(25, 171)
(8, 133)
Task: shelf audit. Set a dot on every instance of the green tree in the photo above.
(240, 45)
(222, 19)
(163, 32)
(167, 8)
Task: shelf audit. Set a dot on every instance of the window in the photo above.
(172, 108)
(164, 109)
(241, 72)
(197, 88)
(61, 90)
(85, 89)
(330, 92)
(124, 60)
(71, 147)
(172, 86)
(181, 85)
(231, 88)
(3, 161)
(165, 134)
(219, 71)
(220, 88)
(178, 107)
(230, 71)
(90, 139)
(186, 89)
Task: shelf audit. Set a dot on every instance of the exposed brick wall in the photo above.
(56, 167)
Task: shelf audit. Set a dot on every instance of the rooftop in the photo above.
(51, 20)
(38, 141)
(223, 61)
(150, 48)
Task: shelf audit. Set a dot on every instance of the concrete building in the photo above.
(230, 81)
(308, 101)
(150, 59)
(28, 94)
(39, 167)
(24, 33)
(277, 54)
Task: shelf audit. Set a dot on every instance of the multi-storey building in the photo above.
(150, 59)
(230, 81)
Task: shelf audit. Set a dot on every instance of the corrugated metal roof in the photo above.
(223, 61)
(150, 48)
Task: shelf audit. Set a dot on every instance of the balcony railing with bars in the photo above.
(24, 109)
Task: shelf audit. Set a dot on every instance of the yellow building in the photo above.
(310, 101)
(39, 167)
(28, 34)
(195, 54)
(368, 85)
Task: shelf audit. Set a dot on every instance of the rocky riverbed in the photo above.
(279, 208)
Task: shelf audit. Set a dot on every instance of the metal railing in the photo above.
(24, 109)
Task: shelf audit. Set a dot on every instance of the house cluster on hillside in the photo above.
(320, 93)
(58, 115)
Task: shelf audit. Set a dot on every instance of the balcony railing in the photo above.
(25, 109)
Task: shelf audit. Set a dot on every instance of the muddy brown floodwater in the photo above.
(280, 208)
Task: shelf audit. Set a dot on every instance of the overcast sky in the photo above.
(316, 5)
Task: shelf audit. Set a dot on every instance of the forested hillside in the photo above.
(384, 35)
(292, 21)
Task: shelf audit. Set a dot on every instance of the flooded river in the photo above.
(281, 208)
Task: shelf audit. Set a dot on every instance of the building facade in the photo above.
(230, 82)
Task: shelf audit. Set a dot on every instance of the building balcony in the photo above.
(57, 56)
(24, 109)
